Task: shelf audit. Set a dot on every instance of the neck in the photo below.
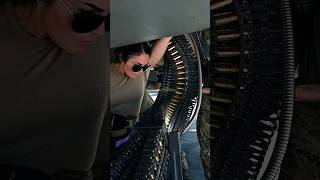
(29, 17)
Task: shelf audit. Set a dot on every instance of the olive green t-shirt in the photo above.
(52, 103)
(128, 97)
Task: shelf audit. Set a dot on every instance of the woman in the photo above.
(128, 78)
(52, 72)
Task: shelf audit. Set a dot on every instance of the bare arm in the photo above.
(307, 93)
(158, 50)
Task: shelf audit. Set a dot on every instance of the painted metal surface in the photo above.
(134, 21)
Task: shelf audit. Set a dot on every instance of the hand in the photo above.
(206, 91)
(307, 93)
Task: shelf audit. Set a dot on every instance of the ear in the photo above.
(120, 56)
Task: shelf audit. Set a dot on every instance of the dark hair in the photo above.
(25, 3)
(125, 52)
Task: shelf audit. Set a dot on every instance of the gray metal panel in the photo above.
(134, 21)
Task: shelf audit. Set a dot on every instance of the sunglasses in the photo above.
(138, 67)
(87, 21)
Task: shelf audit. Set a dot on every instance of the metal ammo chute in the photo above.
(153, 150)
(252, 87)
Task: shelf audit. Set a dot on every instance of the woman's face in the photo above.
(142, 60)
(58, 18)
